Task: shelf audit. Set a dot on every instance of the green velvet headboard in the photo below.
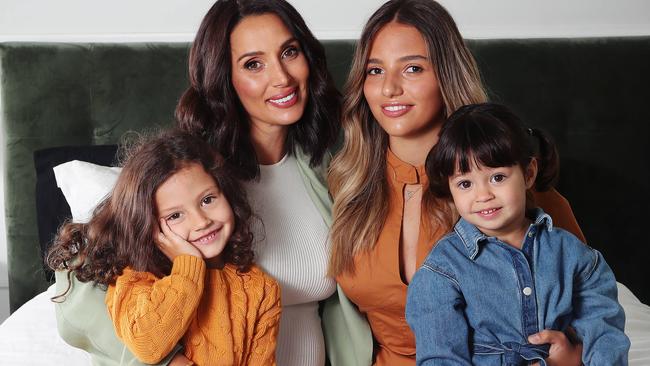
(591, 94)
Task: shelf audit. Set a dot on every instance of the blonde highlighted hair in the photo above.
(357, 176)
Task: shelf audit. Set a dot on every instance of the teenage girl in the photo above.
(505, 272)
(173, 245)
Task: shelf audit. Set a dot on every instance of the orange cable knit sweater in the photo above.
(222, 317)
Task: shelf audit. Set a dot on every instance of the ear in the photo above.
(530, 173)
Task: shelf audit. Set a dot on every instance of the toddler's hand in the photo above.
(172, 245)
(562, 351)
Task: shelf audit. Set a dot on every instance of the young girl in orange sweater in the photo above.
(173, 245)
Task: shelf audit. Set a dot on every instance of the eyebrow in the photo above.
(401, 59)
(167, 210)
(257, 53)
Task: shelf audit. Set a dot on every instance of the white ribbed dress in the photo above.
(291, 245)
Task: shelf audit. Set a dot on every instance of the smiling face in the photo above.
(196, 210)
(494, 199)
(269, 71)
(401, 86)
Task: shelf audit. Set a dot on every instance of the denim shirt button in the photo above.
(527, 291)
(530, 234)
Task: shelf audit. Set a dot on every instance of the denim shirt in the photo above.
(476, 299)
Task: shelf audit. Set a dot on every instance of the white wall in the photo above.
(177, 20)
(124, 20)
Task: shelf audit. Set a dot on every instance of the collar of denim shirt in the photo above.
(472, 237)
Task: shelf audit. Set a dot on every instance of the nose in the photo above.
(280, 77)
(200, 221)
(483, 193)
(391, 86)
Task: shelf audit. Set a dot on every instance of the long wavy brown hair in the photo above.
(357, 177)
(211, 108)
(121, 231)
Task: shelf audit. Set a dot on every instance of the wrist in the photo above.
(189, 266)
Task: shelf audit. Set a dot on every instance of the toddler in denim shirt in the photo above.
(505, 273)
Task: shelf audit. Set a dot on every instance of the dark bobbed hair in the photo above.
(211, 109)
(121, 231)
(491, 135)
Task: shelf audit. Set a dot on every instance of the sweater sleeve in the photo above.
(264, 341)
(151, 315)
(553, 203)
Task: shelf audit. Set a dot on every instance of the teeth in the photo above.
(206, 239)
(395, 108)
(283, 100)
(486, 212)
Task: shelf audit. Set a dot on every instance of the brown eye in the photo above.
(174, 216)
(465, 184)
(374, 71)
(498, 178)
(290, 52)
(207, 200)
(253, 65)
(414, 69)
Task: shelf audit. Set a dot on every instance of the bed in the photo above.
(62, 102)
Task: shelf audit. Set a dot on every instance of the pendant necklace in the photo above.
(410, 194)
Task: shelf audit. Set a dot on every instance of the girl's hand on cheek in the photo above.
(562, 351)
(172, 245)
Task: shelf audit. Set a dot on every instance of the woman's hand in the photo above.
(171, 244)
(562, 351)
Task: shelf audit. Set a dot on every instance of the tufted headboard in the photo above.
(590, 94)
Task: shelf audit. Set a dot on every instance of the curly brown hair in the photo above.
(121, 231)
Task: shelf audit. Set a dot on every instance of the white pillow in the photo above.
(84, 186)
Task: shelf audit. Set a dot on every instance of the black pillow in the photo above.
(51, 207)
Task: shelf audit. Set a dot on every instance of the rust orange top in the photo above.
(377, 287)
(224, 317)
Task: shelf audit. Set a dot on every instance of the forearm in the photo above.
(600, 320)
(152, 315)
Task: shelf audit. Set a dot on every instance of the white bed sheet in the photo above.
(29, 335)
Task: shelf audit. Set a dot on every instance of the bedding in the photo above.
(29, 335)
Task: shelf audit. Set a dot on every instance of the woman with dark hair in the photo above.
(261, 95)
(235, 75)
(410, 71)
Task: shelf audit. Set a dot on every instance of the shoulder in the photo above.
(572, 250)
(444, 256)
(558, 238)
(449, 246)
(304, 159)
